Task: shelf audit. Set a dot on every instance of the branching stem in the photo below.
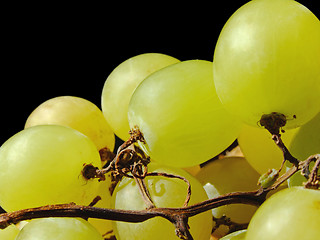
(131, 162)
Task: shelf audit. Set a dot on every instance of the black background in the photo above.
(55, 49)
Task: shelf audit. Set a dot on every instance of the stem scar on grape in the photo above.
(273, 122)
(89, 171)
(136, 162)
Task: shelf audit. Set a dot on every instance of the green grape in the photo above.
(77, 113)
(267, 59)
(180, 115)
(291, 214)
(238, 235)
(103, 226)
(305, 143)
(230, 174)
(164, 192)
(42, 165)
(9, 233)
(121, 84)
(260, 150)
(59, 229)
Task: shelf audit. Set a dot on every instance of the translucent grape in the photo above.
(305, 143)
(230, 174)
(260, 150)
(290, 214)
(193, 170)
(9, 233)
(42, 165)
(121, 84)
(59, 229)
(238, 235)
(164, 192)
(103, 226)
(77, 113)
(180, 116)
(263, 66)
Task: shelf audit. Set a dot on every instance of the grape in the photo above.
(77, 113)
(9, 233)
(180, 116)
(263, 66)
(305, 143)
(260, 150)
(292, 213)
(121, 84)
(238, 235)
(164, 192)
(193, 170)
(103, 226)
(42, 165)
(230, 174)
(59, 229)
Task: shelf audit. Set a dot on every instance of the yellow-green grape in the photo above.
(230, 174)
(305, 143)
(59, 229)
(103, 226)
(193, 170)
(291, 214)
(238, 235)
(121, 84)
(9, 233)
(43, 165)
(77, 113)
(180, 115)
(260, 150)
(164, 192)
(267, 59)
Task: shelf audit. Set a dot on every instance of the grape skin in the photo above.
(260, 150)
(291, 214)
(122, 82)
(164, 192)
(77, 113)
(59, 229)
(238, 235)
(9, 233)
(102, 225)
(230, 174)
(86, 237)
(305, 143)
(180, 116)
(270, 66)
(42, 165)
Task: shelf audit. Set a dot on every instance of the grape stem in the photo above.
(131, 162)
(274, 122)
(313, 179)
(287, 156)
(178, 216)
(226, 221)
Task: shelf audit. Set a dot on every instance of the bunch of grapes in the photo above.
(265, 70)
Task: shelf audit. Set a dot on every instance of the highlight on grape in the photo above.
(228, 149)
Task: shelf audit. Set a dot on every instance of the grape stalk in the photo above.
(131, 162)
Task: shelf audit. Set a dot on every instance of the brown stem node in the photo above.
(313, 181)
(273, 122)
